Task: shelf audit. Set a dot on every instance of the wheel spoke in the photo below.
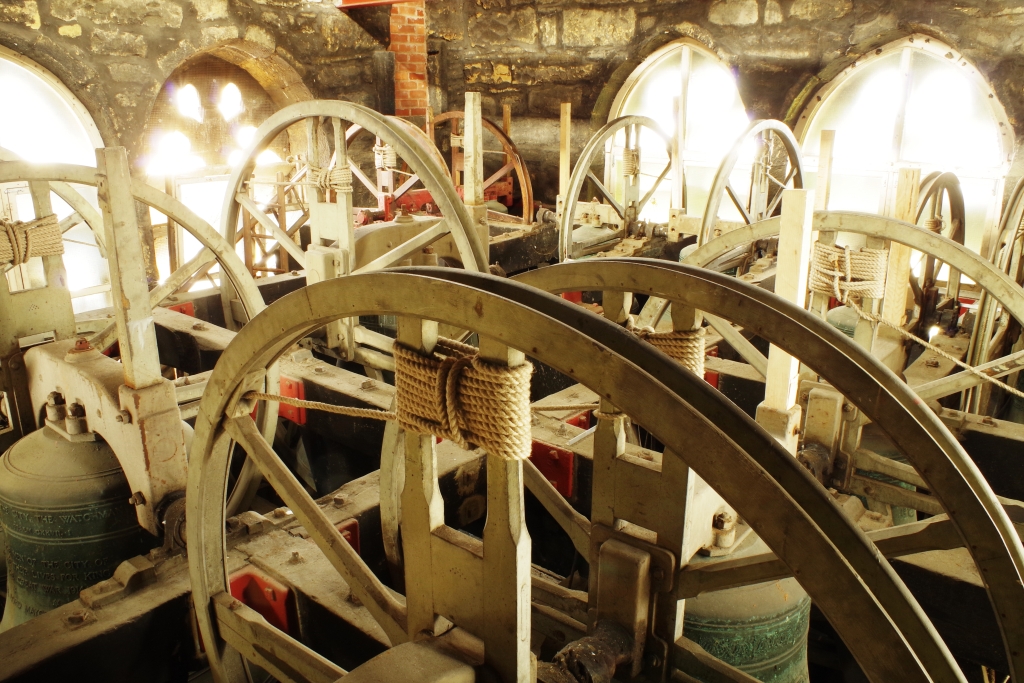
(739, 205)
(245, 629)
(572, 522)
(499, 174)
(606, 194)
(378, 599)
(182, 275)
(70, 222)
(960, 381)
(367, 183)
(406, 186)
(268, 224)
(108, 335)
(430, 235)
(657, 183)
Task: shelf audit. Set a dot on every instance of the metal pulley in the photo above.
(64, 507)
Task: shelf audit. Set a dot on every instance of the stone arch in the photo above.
(277, 77)
(684, 31)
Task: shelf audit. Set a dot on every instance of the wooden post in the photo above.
(473, 166)
(128, 285)
(819, 302)
(507, 548)
(422, 505)
(897, 279)
(564, 149)
(779, 413)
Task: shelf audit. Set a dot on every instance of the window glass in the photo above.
(915, 105)
(45, 127)
(714, 119)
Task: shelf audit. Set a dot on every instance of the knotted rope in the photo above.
(685, 346)
(865, 275)
(337, 179)
(456, 395)
(385, 156)
(840, 269)
(21, 241)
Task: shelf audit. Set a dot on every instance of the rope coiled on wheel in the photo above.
(843, 274)
(456, 395)
(21, 241)
(385, 156)
(630, 161)
(337, 179)
(841, 269)
(685, 346)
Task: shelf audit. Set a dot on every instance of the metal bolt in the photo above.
(82, 344)
(199, 326)
(368, 384)
(124, 417)
(655, 661)
(282, 512)
(554, 455)
(137, 498)
(847, 407)
(804, 397)
(74, 420)
(296, 557)
(339, 500)
(932, 363)
(319, 370)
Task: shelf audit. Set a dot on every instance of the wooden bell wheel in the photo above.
(618, 146)
(941, 205)
(498, 183)
(777, 165)
(487, 593)
(336, 247)
(216, 250)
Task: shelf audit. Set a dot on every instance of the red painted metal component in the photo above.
(350, 532)
(416, 201)
(292, 388)
(188, 308)
(582, 420)
(712, 377)
(556, 464)
(265, 595)
(575, 297)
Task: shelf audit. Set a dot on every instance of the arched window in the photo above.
(914, 103)
(49, 124)
(205, 115)
(684, 86)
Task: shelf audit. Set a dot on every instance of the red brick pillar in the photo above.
(409, 43)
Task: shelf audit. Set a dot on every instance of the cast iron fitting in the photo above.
(56, 410)
(594, 658)
(74, 420)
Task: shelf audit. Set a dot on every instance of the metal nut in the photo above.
(124, 417)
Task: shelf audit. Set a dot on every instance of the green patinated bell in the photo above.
(761, 630)
(64, 507)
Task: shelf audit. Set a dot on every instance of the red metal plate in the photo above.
(263, 594)
(188, 308)
(292, 388)
(350, 532)
(556, 464)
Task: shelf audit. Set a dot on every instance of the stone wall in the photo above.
(116, 54)
(534, 54)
